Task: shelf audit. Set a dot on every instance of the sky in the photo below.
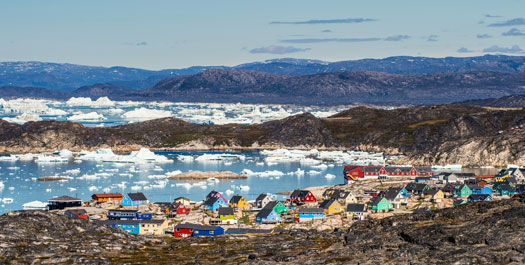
(176, 34)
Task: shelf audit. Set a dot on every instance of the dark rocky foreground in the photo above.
(440, 134)
(478, 233)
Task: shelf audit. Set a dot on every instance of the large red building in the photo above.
(355, 172)
(302, 196)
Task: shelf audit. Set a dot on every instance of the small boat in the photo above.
(9, 158)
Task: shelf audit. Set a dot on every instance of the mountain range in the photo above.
(57, 76)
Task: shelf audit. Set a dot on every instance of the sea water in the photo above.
(85, 178)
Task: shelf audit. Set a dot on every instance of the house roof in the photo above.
(372, 169)
(197, 227)
(416, 186)
(423, 169)
(326, 203)
(137, 196)
(431, 192)
(356, 208)
(399, 169)
(65, 199)
(271, 204)
(123, 211)
(376, 200)
(226, 211)
(181, 198)
(392, 193)
(236, 199)
(107, 195)
(76, 212)
(264, 212)
(211, 201)
(261, 197)
(311, 210)
(479, 197)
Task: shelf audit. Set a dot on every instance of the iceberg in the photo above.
(330, 176)
(93, 188)
(80, 101)
(265, 174)
(25, 117)
(103, 102)
(91, 116)
(143, 114)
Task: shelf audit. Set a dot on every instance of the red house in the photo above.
(353, 173)
(77, 213)
(184, 230)
(302, 196)
(181, 209)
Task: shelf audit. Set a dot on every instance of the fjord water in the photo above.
(21, 184)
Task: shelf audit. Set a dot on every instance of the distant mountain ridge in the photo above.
(512, 101)
(351, 87)
(56, 76)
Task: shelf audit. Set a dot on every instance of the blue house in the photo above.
(405, 192)
(480, 189)
(214, 203)
(144, 216)
(310, 214)
(208, 230)
(134, 199)
(268, 216)
(130, 226)
(122, 214)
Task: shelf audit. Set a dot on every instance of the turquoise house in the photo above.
(308, 214)
(134, 199)
(214, 203)
(462, 190)
(381, 204)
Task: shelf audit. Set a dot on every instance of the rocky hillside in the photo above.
(440, 134)
(47, 238)
(475, 233)
(512, 101)
(222, 85)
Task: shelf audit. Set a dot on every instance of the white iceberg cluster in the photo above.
(142, 114)
(314, 157)
(142, 156)
(265, 174)
(91, 116)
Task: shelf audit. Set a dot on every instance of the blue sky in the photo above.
(176, 34)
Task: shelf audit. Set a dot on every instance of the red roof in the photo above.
(484, 176)
(108, 195)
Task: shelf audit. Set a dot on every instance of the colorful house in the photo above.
(396, 196)
(77, 213)
(434, 195)
(344, 197)
(302, 196)
(134, 199)
(226, 213)
(130, 226)
(277, 206)
(479, 198)
(143, 216)
(459, 202)
(331, 206)
(189, 230)
(356, 211)
(122, 214)
(462, 190)
(262, 200)
(310, 214)
(381, 204)
(416, 188)
(62, 202)
(238, 201)
(181, 209)
(214, 203)
(153, 227)
(182, 200)
(107, 197)
(267, 216)
(504, 189)
(480, 189)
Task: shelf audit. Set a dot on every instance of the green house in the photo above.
(505, 189)
(462, 190)
(277, 206)
(226, 213)
(381, 204)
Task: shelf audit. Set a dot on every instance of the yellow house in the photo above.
(238, 201)
(331, 206)
(153, 227)
(435, 195)
(182, 200)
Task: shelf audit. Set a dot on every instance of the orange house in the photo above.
(106, 197)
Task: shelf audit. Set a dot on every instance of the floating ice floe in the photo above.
(9, 158)
(106, 190)
(143, 114)
(2, 185)
(93, 188)
(321, 166)
(23, 118)
(220, 157)
(313, 172)
(229, 192)
(185, 158)
(136, 187)
(80, 101)
(65, 153)
(44, 158)
(91, 116)
(329, 176)
(103, 102)
(173, 173)
(299, 172)
(7, 200)
(71, 189)
(265, 174)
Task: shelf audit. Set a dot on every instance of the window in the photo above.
(211, 232)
